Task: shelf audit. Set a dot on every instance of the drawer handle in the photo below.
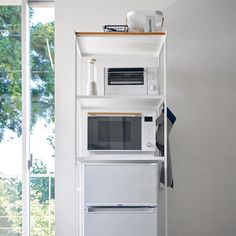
(120, 209)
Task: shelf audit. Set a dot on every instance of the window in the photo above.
(42, 199)
(10, 121)
(41, 175)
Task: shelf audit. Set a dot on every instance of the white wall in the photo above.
(201, 92)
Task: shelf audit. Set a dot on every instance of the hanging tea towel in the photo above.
(160, 144)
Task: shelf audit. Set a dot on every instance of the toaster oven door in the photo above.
(125, 81)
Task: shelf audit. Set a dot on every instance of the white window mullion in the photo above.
(10, 2)
(26, 114)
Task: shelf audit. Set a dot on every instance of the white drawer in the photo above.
(121, 221)
(121, 184)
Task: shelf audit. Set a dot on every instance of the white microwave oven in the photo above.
(131, 81)
(120, 131)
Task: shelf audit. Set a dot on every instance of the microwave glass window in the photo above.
(114, 133)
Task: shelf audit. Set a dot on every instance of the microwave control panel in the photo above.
(148, 133)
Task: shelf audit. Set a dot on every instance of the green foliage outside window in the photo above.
(10, 70)
(42, 74)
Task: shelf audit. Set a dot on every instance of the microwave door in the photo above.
(114, 133)
(105, 133)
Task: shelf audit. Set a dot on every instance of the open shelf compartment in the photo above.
(120, 102)
(117, 44)
(121, 159)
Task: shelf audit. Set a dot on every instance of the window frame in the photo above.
(26, 109)
(26, 116)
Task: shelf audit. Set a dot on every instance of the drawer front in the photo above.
(121, 184)
(117, 222)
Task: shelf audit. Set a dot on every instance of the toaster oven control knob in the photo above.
(149, 144)
(152, 87)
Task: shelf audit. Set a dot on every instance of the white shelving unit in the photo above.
(136, 46)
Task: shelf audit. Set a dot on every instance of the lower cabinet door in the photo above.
(121, 221)
(121, 184)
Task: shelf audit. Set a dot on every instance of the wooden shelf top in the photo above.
(79, 34)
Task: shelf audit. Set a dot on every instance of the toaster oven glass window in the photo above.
(114, 133)
(126, 76)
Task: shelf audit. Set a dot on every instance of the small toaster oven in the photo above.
(131, 80)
